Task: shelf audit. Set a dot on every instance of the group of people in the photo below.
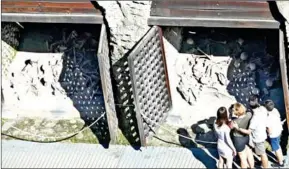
(240, 130)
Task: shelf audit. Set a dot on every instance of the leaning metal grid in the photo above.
(148, 73)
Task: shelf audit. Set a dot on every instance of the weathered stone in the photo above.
(283, 7)
(50, 125)
(127, 21)
(196, 71)
(7, 125)
(15, 133)
(79, 136)
(48, 131)
(74, 126)
(73, 121)
(32, 128)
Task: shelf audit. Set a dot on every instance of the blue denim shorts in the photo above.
(275, 143)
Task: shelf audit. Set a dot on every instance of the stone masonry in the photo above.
(127, 21)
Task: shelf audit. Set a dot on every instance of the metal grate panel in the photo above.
(150, 82)
(104, 68)
(125, 102)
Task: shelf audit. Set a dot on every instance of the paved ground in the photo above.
(19, 154)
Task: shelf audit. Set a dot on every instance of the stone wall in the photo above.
(127, 21)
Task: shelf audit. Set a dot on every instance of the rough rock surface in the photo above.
(283, 7)
(32, 86)
(196, 73)
(127, 21)
(183, 114)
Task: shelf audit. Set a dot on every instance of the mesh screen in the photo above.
(104, 64)
(125, 101)
(81, 79)
(151, 92)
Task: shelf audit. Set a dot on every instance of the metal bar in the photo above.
(165, 62)
(52, 10)
(104, 69)
(284, 74)
(217, 22)
(68, 1)
(52, 18)
(59, 4)
(201, 13)
(212, 4)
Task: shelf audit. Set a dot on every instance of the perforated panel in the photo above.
(86, 79)
(82, 83)
(104, 68)
(125, 101)
(150, 83)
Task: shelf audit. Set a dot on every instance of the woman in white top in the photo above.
(226, 148)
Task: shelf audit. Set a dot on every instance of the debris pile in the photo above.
(33, 75)
(230, 64)
(81, 78)
(197, 72)
(10, 33)
(65, 64)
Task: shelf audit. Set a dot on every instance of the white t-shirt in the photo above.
(274, 123)
(258, 124)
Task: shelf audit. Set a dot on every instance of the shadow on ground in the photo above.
(80, 78)
(205, 133)
(206, 157)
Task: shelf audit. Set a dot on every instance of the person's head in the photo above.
(222, 116)
(253, 102)
(239, 109)
(269, 104)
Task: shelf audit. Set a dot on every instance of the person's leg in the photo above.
(279, 156)
(250, 157)
(275, 144)
(261, 151)
(243, 158)
(221, 162)
(264, 160)
(229, 162)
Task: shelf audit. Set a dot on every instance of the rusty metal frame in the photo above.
(104, 69)
(52, 18)
(212, 22)
(164, 61)
(212, 13)
(284, 73)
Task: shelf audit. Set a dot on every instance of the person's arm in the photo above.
(241, 130)
(268, 125)
(244, 131)
(229, 140)
(269, 131)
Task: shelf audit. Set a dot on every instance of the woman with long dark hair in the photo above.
(226, 148)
